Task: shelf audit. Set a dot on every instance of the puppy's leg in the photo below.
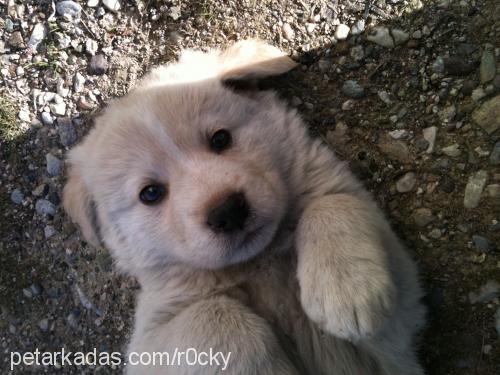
(218, 324)
(343, 245)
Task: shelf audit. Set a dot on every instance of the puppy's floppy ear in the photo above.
(79, 204)
(252, 59)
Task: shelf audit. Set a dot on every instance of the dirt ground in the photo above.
(417, 119)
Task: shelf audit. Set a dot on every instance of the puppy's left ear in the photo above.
(79, 204)
(253, 59)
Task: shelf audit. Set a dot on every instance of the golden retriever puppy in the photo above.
(247, 236)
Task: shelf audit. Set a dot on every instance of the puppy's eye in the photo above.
(152, 194)
(221, 140)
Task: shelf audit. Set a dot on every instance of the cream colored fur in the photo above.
(317, 282)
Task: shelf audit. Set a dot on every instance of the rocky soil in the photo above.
(407, 91)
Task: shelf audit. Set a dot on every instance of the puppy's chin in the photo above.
(224, 251)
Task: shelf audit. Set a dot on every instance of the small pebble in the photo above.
(36, 289)
(40, 190)
(45, 207)
(435, 233)
(73, 319)
(175, 12)
(341, 31)
(452, 150)
(486, 293)
(353, 90)
(324, 65)
(358, 27)
(91, 47)
(58, 109)
(83, 104)
(9, 25)
(49, 231)
(400, 134)
(381, 36)
(37, 35)
(58, 99)
(430, 135)
(16, 40)
(112, 5)
(493, 191)
(448, 113)
(17, 196)
(406, 183)
(384, 96)
(400, 36)
(69, 9)
(478, 94)
(487, 349)
(47, 118)
(98, 64)
(24, 116)
(78, 83)
(423, 216)
(43, 325)
(310, 27)
(27, 293)
(288, 32)
(348, 105)
(54, 165)
(474, 189)
(417, 34)
(482, 243)
(61, 90)
(357, 53)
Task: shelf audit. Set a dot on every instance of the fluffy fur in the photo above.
(315, 283)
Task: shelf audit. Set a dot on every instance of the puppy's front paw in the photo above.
(350, 305)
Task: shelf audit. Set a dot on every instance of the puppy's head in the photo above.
(184, 169)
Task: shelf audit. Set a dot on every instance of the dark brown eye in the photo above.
(221, 140)
(152, 194)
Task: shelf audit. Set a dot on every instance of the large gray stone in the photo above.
(495, 154)
(54, 165)
(67, 131)
(487, 69)
(487, 116)
(474, 189)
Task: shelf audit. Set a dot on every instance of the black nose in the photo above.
(230, 215)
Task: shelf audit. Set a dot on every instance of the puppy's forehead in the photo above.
(169, 121)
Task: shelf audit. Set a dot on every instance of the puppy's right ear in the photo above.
(253, 59)
(79, 205)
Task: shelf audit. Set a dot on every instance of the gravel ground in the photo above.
(407, 91)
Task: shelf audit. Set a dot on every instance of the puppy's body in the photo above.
(316, 282)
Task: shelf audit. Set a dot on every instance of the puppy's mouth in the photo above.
(251, 235)
(252, 238)
(243, 236)
(255, 237)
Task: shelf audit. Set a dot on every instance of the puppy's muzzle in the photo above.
(230, 215)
